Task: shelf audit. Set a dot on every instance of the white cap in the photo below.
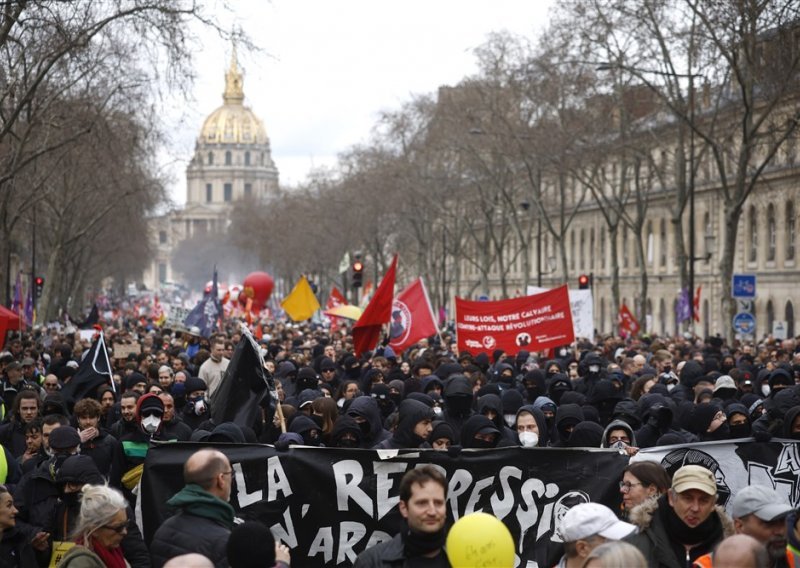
(589, 519)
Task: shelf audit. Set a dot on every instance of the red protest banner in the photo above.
(533, 323)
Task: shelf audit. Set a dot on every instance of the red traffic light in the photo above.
(583, 282)
(39, 280)
(358, 266)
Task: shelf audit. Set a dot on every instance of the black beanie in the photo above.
(251, 545)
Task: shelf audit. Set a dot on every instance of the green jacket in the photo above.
(81, 557)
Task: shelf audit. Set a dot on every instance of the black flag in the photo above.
(92, 319)
(94, 371)
(243, 387)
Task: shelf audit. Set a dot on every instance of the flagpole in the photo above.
(108, 363)
(430, 308)
(268, 380)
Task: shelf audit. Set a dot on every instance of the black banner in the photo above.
(329, 504)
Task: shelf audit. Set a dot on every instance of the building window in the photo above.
(603, 248)
(662, 316)
(663, 241)
(789, 317)
(162, 237)
(211, 158)
(582, 249)
(162, 272)
(772, 230)
(770, 316)
(227, 158)
(209, 193)
(624, 247)
(753, 234)
(591, 248)
(248, 189)
(247, 158)
(228, 191)
(650, 258)
(572, 250)
(790, 230)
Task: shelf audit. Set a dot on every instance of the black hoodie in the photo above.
(566, 415)
(366, 407)
(473, 426)
(458, 401)
(345, 424)
(410, 413)
(493, 402)
(541, 424)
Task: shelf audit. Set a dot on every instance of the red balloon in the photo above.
(258, 286)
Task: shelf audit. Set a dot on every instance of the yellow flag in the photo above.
(301, 303)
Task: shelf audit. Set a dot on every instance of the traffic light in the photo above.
(583, 282)
(38, 286)
(358, 273)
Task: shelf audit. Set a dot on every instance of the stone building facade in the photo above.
(232, 161)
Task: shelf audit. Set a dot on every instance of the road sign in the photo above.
(744, 323)
(779, 329)
(744, 286)
(483, 298)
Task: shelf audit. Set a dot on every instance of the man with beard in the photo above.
(423, 493)
(761, 513)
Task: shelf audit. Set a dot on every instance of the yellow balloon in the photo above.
(479, 540)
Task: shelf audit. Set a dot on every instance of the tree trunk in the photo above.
(726, 264)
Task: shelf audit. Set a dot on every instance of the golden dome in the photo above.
(233, 123)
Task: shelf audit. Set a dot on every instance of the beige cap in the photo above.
(694, 477)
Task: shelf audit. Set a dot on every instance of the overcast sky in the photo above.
(328, 67)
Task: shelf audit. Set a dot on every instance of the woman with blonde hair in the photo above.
(102, 524)
(615, 554)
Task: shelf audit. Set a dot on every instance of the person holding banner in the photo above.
(423, 494)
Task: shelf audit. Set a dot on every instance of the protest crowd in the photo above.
(73, 446)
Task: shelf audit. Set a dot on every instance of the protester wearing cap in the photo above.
(725, 388)
(585, 527)
(761, 513)
(683, 525)
(197, 409)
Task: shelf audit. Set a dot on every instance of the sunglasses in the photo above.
(119, 529)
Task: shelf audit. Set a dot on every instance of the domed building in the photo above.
(232, 161)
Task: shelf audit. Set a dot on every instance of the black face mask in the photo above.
(459, 405)
(477, 443)
(396, 397)
(721, 433)
(740, 431)
(71, 499)
(365, 427)
(308, 440)
(347, 443)
(317, 420)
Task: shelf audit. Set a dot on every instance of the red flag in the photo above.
(412, 317)
(697, 304)
(259, 334)
(367, 329)
(335, 299)
(628, 324)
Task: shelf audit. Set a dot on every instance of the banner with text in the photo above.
(582, 310)
(533, 323)
(329, 504)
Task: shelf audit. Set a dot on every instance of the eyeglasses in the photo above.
(119, 529)
(625, 486)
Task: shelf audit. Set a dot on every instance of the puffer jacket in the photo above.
(203, 525)
(654, 543)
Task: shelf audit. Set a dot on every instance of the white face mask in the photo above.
(594, 368)
(340, 402)
(509, 419)
(437, 410)
(765, 390)
(671, 386)
(150, 423)
(528, 439)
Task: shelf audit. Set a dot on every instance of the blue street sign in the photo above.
(483, 298)
(744, 286)
(744, 323)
